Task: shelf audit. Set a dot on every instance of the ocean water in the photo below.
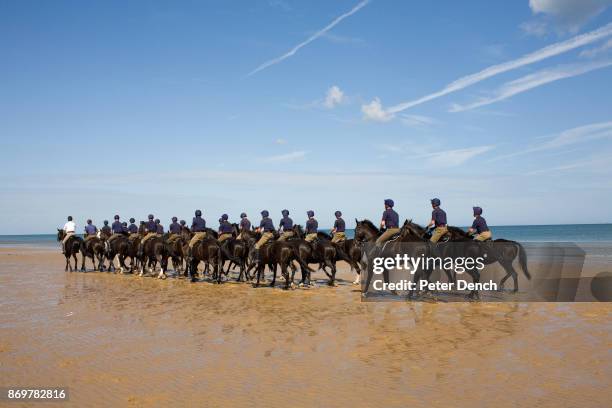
(523, 233)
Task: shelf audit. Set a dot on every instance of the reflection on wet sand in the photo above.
(130, 341)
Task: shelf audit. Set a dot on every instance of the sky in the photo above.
(163, 107)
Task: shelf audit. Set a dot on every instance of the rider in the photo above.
(266, 226)
(479, 226)
(339, 228)
(225, 229)
(198, 226)
(311, 227)
(90, 230)
(116, 228)
(132, 228)
(69, 230)
(389, 221)
(438, 219)
(151, 229)
(184, 227)
(286, 224)
(106, 229)
(159, 229)
(245, 225)
(175, 227)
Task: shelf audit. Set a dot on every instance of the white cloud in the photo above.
(570, 14)
(280, 141)
(310, 39)
(284, 158)
(569, 137)
(535, 28)
(334, 97)
(531, 81)
(469, 80)
(417, 121)
(593, 52)
(374, 111)
(451, 158)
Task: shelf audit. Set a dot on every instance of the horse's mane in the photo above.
(324, 235)
(369, 224)
(458, 231)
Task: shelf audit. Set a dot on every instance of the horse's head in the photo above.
(298, 231)
(365, 230)
(60, 234)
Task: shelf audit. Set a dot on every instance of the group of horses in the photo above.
(146, 255)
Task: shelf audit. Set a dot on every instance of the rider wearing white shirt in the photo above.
(70, 230)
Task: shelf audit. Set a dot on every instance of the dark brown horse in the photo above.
(402, 243)
(461, 244)
(152, 252)
(94, 248)
(209, 252)
(71, 249)
(177, 246)
(118, 246)
(320, 251)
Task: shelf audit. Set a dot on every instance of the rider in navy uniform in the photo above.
(339, 228)
(132, 228)
(175, 227)
(479, 226)
(438, 219)
(116, 228)
(389, 221)
(151, 229)
(198, 227)
(245, 225)
(184, 227)
(106, 230)
(225, 229)
(312, 227)
(266, 227)
(159, 229)
(286, 224)
(90, 230)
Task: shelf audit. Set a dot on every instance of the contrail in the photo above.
(539, 55)
(310, 39)
(531, 81)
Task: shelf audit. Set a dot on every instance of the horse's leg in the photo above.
(509, 272)
(193, 269)
(332, 282)
(258, 273)
(273, 276)
(476, 279)
(74, 255)
(67, 262)
(162, 272)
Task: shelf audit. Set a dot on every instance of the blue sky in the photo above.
(165, 107)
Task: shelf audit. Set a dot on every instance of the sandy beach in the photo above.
(123, 340)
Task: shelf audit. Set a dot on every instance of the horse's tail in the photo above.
(523, 260)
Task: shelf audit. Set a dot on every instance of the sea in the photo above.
(594, 233)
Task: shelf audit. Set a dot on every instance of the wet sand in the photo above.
(123, 340)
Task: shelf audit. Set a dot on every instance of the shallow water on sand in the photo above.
(130, 341)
